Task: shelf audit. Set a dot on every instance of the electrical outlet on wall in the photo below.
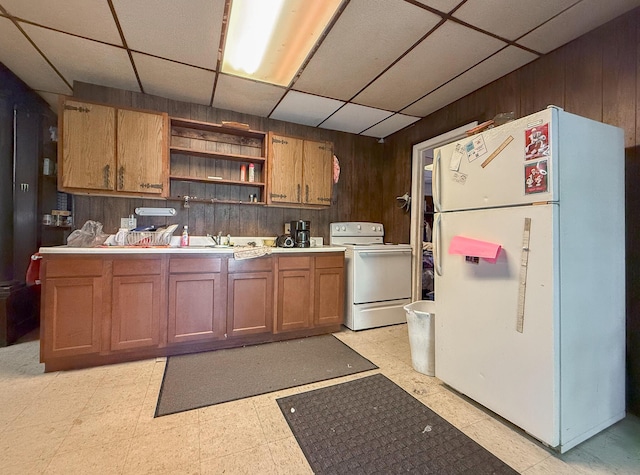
(287, 227)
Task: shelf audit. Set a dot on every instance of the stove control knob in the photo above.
(359, 227)
(337, 228)
(344, 228)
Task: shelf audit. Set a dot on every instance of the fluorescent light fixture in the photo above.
(268, 40)
(155, 211)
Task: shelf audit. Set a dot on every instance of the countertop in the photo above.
(179, 250)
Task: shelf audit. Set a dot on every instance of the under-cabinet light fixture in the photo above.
(155, 211)
(268, 40)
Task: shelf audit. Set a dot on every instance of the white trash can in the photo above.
(420, 319)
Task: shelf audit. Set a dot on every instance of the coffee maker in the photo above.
(301, 233)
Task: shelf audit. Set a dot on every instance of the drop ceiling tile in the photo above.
(174, 80)
(248, 97)
(507, 18)
(354, 118)
(24, 61)
(450, 50)
(306, 109)
(442, 5)
(89, 18)
(390, 125)
(578, 20)
(502, 63)
(366, 39)
(187, 31)
(79, 59)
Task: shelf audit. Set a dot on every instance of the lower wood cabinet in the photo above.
(65, 300)
(137, 304)
(294, 293)
(249, 296)
(329, 296)
(72, 308)
(106, 309)
(197, 307)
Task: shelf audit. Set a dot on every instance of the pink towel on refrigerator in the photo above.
(475, 248)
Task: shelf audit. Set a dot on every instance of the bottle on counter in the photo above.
(243, 173)
(252, 172)
(184, 239)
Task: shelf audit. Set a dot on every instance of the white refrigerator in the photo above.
(530, 273)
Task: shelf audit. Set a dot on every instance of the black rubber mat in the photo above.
(213, 377)
(371, 425)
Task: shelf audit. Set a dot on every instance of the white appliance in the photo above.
(538, 336)
(377, 275)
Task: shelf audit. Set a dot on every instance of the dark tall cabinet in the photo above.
(24, 123)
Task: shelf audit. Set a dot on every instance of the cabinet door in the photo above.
(196, 308)
(249, 303)
(141, 150)
(293, 304)
(329, 296)
(317, 171)
(88, 146)
(285, 169)
(71, 316)
(136, 311)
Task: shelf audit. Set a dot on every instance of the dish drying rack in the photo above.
(148, 238)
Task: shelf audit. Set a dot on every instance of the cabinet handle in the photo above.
(106, 171)
(306, 193)
(298, 192)
(276, 195)
(320, 198)
(77, 109)
(120, 178)
(151, 185)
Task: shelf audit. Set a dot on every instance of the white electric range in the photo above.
(377, 275)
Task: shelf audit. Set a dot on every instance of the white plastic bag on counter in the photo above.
(90, 235)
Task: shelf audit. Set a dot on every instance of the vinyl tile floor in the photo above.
(100, 421)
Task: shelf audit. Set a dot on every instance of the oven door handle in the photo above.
(390, 251)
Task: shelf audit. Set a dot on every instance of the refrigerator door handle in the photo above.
(437, 239)
(436, 183)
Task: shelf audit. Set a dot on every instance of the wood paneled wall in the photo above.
(357, 196)
(596, 76)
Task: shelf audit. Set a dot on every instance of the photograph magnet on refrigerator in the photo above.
(535, 177)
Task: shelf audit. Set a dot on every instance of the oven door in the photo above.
(381, 274)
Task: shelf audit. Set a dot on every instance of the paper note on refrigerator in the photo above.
(473, 247)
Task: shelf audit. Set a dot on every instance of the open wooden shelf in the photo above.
(214, 180)
(216, 201)
(225, 156)
(198, 125)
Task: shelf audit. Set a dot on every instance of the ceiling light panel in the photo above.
(306, 109)
(390, 125)
(578, 20)
(502, 63)
(268, 40)
(243, 95)
(24, 61)
(83, 60)
(160, 76)
(351, 56)
(89, 18)
(510, 19)
(187, 31)
(354, 118)
(450, 50)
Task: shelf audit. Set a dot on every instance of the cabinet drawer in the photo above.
(137, 266)
(73, 267)
(332, 260)
(249, 265)
(294, 262)
(195, 265)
